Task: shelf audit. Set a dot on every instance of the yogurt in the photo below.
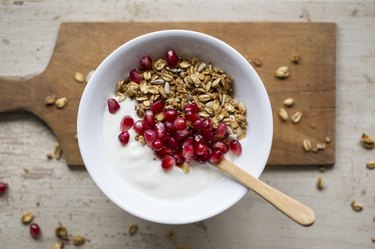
(138, 165)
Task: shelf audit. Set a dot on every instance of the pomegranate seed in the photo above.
(150, 136)
(172, 143)
(181, 134)
(164, 152)
(170, 115)
(146, 62)
(216, 157)
(223, 147)
(180, 123)
(148, 120)
(160, 130)
(198, 139)
(188, 151)
(157, 106)
(200, 149)
(198, 124)
(221, 129)
(35, 230)
(135, 76)
(169, 127)
(179, 159)
(204, 157)
(3, 187)
(190, 116)
(123, 137)
(171, 58)
(138, 127)
(126, 123)
(113, 105)
(188, 141)
(207, 124)
(193, 107)
(208, 135)
(168, 162)
(235, 147)
(157, 145)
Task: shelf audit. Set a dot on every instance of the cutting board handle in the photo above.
(16, 94)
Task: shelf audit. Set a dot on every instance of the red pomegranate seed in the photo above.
(157, 106)
(208, 135)
(123, 137)
(235, 147)
(170, 115)
(3, 187)
(207, 124)
(193, 107)
(198, 124)
(135, 76)
(164, 152)
(216, 157)
(180, 123)
(138, 127)
(188, 141)
(180, 135)
(150, 136)
(160, 130)
(198, 139)
(223, 147)
(179, 159)
(157, 145)
(200, 149)
(170, 128)
(113, 105)
(168, 162)
(221, 129)
(171, 58)
(172, 143)
(146, 62)
(148, 120)
(188, 151)
(126, 123)
(204, 157)
(35, 230)
(190, 116)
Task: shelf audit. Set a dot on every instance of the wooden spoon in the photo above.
(292, 208)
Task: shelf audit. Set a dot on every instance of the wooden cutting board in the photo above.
(82, 46)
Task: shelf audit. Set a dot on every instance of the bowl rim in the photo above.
(153, 35)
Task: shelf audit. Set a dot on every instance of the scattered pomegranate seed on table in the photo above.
(35, 230)
(3, 187)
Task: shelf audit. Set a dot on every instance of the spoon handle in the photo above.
(292, 208)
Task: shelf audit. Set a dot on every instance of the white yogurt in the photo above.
(138, 166)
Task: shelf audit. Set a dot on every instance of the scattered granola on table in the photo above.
(356, 206)
(133, 229)
(367, 141)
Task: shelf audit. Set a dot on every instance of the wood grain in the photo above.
(82, 46)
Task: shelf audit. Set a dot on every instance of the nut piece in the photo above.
(61, 102)
(306, 145)
(27, 217)
(50, 100)
(58, 151)
(49, 156)
(371, 164)
(61, 232)
(257, 62)
(356, 206)
(295, 58)
(327, 140)
(171, 235)
(367, 141)
(185, 167)
(283, 114)
(282, 72)
(320, 183)
(296, 118)
(321, 146)
(133, 228)
(78, 240)
(58, 245)
(289, 102)
(79, 77)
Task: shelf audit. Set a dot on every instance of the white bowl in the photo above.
(248, 88)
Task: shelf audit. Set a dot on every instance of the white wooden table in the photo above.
(55, 193)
